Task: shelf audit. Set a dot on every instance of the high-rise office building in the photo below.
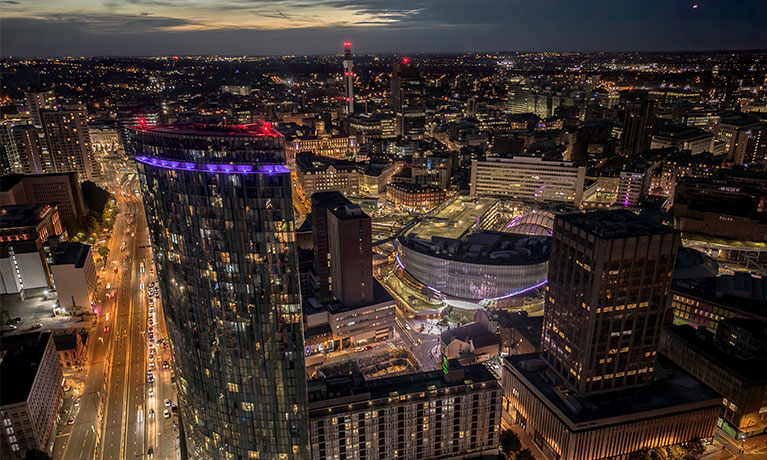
(220, 215)
(343, 251)
(408, 99)
(599, 389)
(609, 281)
(68, 141)
(37, 101)
(638, 121)
(62, 188)
(348, 78)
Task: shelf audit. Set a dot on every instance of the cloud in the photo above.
(9, 2)
(405, 26)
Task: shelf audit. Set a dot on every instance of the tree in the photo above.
(509, 442)
(36, 454)
(525, 454)
(103, 252)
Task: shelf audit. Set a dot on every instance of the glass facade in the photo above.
(220, 215)
(471, 280)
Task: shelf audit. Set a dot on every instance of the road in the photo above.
(119, 349)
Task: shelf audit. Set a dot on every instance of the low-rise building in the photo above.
(325, 145)
(31, 388)
(683, 137)
(709, 300)
(415, 197)
(74, 276)
(729, 365)
(324, 174)
(451, 413)
(30, 222)
(71, 348)
(675, 408)
(469, 343)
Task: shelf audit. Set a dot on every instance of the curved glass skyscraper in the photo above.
(218, 203)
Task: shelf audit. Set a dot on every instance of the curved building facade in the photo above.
(220, 215)
(485, 266)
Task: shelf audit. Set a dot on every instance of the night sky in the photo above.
(301, 27)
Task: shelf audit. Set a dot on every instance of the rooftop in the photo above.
(68, 253)
(485, 247)
(19, 365)
(24, 215)
(309, 162)
(614, 224)
(455, 218)
(476, 332)
(672, 390)
(710, 290)
(326, 390)
(260, 129)
(749, 369)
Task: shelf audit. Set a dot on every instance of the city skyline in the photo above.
(291, 27)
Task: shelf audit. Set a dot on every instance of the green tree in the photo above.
(525, 454)
(510, 442)
(36, 454)
(103, 252)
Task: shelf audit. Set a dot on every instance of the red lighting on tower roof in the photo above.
(406, 60)
(141, 121)
(347, 44)
(175, 57)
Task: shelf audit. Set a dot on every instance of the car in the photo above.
(76, 401)
(115, 270)
(109, 285)
(133, 234)
(150, 453)
(122, 248)
(369, 347)
(168, 403)
(17, 320)
(36, 326)
(151, 413)
(150, 392)
(165, 365)
(150, 330)
(150, 366)
(71, 421)
(166, 413)
(150, 379)
(151, 284)
(112, 295)
(151, 321)
(8, 327)
(106, 329)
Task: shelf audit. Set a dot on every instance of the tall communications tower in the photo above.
(349, 77)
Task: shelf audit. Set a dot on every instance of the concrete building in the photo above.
(375, 178)
(348, 78)
(323, 174)
(71, 348)
(31, 388)
(24, 148)
(705, 302)
(60, 188)
(638, 117)
(744, 139)
(721, 208)
(528, 178)
(729, 365)
(74, 276)
(408, 99)
(69, 143)
(30, 222)
(342, 245)
(598, 389)
(368, 323)
(37, 101)
(22, 268)
(683, 137)
(564, 425)
(453, 413)
(617, 252)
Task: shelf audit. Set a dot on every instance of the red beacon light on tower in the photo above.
(142, 121)
(406, 60)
